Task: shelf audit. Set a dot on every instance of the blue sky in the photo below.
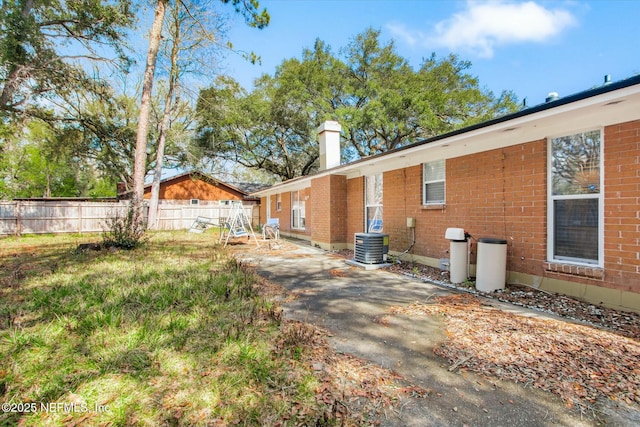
(531, 47)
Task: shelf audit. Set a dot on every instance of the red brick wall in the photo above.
(503, 193)
(621, 206)
(329, 209)
(320, 209)
(263, 210)
(498, 193)
(339, 212)
(355, 207)
(401, 199)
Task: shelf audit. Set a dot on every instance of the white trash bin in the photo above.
(458, 255)
(491, 264)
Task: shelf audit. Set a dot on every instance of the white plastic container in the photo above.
(491, 267)
(458, 250)
(458, 255)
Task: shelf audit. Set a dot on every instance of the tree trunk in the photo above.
(139, 166)
(155, 186)
(164, 125)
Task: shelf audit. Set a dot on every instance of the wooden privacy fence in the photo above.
(34, 217)
(178, 217)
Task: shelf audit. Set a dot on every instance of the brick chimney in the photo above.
(329, 137)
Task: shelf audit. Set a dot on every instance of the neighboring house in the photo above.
(198, 188)
(560, 182)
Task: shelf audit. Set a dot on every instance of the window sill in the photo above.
(434, 207)
(575, 270)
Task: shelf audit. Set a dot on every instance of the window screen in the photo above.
(576, 229)
(434, 182)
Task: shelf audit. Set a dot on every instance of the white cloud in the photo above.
(401, 31)
(484, 25)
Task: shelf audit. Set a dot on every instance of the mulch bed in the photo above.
(622, 322)
(580, 363)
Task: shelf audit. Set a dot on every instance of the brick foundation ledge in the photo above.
(575, 270)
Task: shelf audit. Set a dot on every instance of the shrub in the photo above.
(126, 231)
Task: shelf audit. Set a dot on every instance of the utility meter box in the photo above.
(455, 234)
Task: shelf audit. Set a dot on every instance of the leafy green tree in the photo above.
(99, 130)
(46, 50)
(381, 102)
(451, 98)
(258, 130)
(385, 104)
(271, 129)
(43, 165)
(377, 106)
(45, 44)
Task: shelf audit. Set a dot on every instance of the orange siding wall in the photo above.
(186, 188)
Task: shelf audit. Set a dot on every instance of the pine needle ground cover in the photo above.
(174, 333)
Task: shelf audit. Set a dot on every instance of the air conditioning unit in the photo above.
(371, 248)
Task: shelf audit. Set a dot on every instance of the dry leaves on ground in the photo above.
(357, 391)
(625, 323)
(578, 362)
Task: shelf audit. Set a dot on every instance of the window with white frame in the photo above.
(278, 202)
(194, 201)
(433, 179)
(373, 203)
(575, 198)
(297, 211)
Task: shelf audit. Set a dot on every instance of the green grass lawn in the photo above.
(176, 332)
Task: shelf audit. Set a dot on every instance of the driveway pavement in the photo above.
(352, 304)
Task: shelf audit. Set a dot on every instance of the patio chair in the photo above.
(271, 230)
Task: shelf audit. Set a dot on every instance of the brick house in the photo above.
(198, 188)
(560, 182)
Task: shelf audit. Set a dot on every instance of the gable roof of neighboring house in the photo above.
(243, 188)
(613, 103)
(202, 176)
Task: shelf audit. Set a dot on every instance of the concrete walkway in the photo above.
(353, 304)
